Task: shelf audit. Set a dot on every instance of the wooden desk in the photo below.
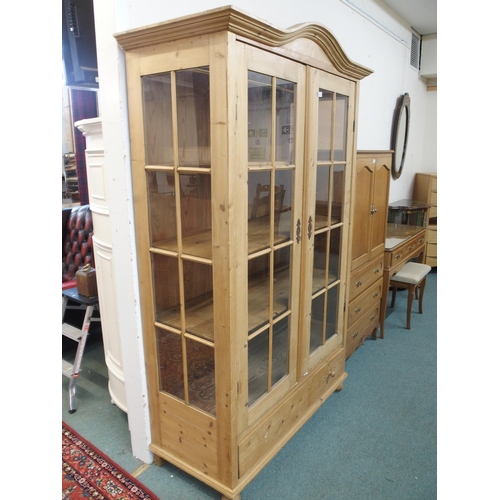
(402, 244)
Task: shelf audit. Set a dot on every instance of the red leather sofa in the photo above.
(77, 251)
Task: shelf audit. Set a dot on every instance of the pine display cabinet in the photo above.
(242, 147)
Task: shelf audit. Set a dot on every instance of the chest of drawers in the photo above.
(425, 191)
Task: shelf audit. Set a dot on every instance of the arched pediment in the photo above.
(244, 25)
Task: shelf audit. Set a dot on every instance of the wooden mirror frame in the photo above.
(400, 129)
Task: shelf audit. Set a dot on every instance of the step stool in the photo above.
(71, 370)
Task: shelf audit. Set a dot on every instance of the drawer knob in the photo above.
(355, 334)
(372, 317)
(376, 271)
(375, 295)
(357, 310)
(398, 256)
(359, 283)
(410, 247)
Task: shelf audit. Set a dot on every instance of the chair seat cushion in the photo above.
(412, 273)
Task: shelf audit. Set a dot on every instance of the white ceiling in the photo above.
(421, 14)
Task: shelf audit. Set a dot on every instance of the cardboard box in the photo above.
(86, 282)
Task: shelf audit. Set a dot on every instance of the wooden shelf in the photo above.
(199, 311)
(200, 244)
(259, 231)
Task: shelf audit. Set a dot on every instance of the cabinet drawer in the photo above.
(358, 332)
(366, 276)
(396, 256)
(432, 250)
(433, 199)
(359, 306)
(432, 234)
(432, 212)
(431, 261)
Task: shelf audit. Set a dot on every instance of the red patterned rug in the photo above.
(89, 474)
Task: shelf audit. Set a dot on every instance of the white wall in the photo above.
(370, 34)
(429, 146)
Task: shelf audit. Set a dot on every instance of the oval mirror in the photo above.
(400, 130)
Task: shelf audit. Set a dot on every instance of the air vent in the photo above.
(415, 51)
(73, 20)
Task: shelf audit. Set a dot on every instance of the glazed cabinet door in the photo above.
(325, 220)
(178, 188)
(170, 108)
(275, 112)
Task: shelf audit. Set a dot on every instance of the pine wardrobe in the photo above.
(242, 146)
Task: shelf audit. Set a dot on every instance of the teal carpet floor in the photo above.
(374, 440)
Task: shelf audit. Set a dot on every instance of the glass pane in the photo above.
(280, 350)
(322, 185)
(258, 292)
(258, 356)
(281, 281)
(198, 296)
(259, 211)
(319, 265)
(196, 214)
(317, 315)
(193, 117)
(285, 121)
(161, 205)
(338, 193)
(201, 375)
(331, 312)
(325, 110)
(166, 290)
(259, 117)
(158, 131)
(169, 347)
(283, 189)
(334, 257)
(340, 131)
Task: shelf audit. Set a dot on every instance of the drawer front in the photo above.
(395, 257)
(413, 245)
(361, 304)
(358, 332)
(432, 234)
(366, 276)
(431, 261)
(432, 212)
(434, 199)
(432, 250)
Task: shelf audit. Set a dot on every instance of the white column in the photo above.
(103, 256)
